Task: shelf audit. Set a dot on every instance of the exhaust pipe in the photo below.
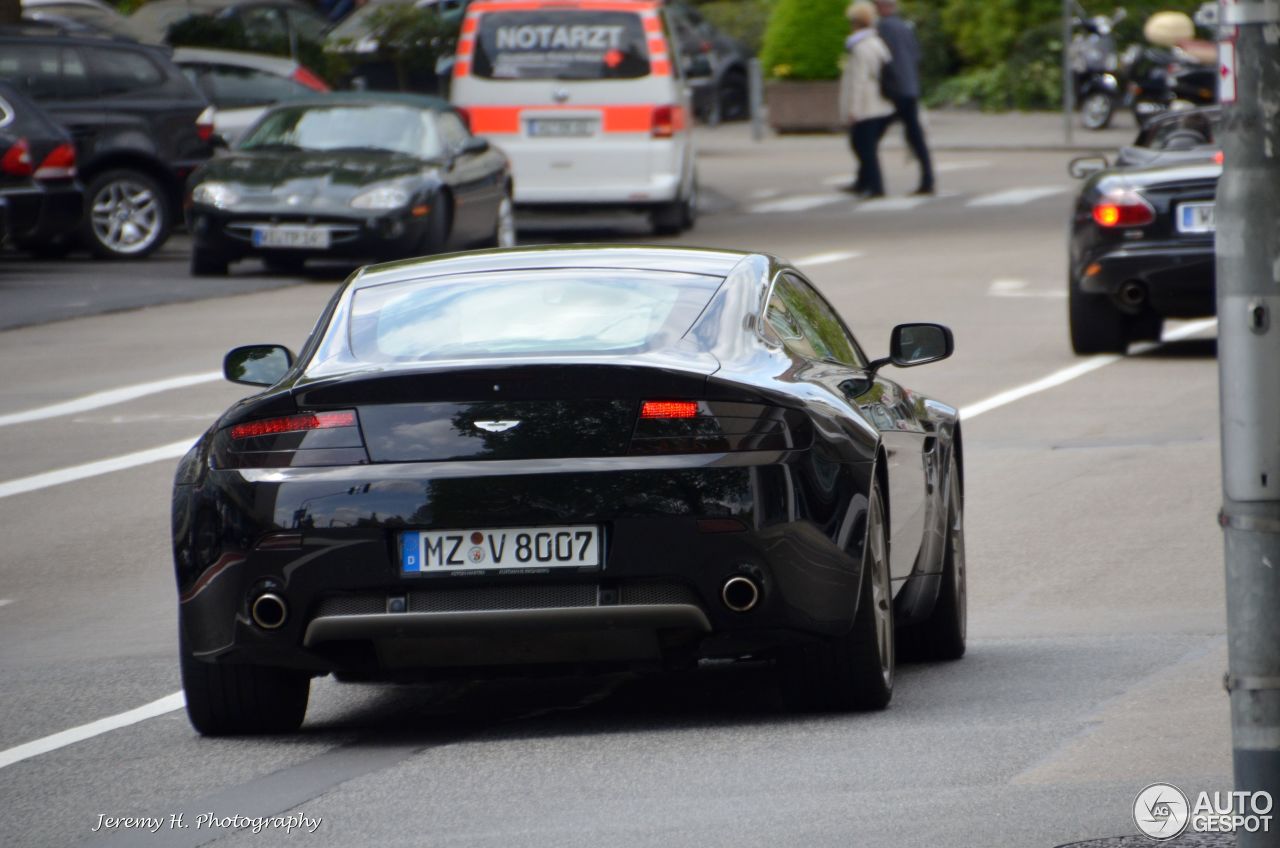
(1133, 294)
(740, 594)
(269, 611)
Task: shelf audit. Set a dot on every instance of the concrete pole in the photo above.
(1248, 281)
(1068, 84)
(755, 98)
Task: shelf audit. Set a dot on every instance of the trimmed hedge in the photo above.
(805, 40)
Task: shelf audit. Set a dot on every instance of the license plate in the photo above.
(509, 550)
(1195, 218)
(561, 127)
(296, 237)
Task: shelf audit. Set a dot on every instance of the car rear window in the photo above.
(526, 313)
(561, 44)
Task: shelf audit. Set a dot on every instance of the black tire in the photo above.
(206, 263)
(127, 215)
(942, 635)
(854, 671)
(1096, 110)
(674, 218)
(1096, 325)
(436, 239)
(231, 700)
(284, 264)
(504, 227)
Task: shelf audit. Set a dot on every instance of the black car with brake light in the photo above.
(41, 196)
(540, 460)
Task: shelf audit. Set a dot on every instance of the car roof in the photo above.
(681, 260)
(278, 65)
(92, 4)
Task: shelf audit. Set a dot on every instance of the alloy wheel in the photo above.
(126, 216)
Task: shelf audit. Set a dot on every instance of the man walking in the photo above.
(901, 40)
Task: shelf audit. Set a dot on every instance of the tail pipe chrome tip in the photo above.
(269, 611)
(1133, 294)
(740, 594)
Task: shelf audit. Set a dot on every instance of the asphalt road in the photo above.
(1096, 617)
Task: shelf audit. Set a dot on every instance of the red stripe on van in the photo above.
(461, 68)
(585, 5)
(505, 120)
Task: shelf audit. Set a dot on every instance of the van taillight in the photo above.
(60, 164)
(16, 161)
(304, 77)
(667, 121)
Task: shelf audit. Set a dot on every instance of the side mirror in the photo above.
(1083, 167)
(257, 365)
(475, 144)
(918, 344)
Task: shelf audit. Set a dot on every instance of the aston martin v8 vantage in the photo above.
(569, 459)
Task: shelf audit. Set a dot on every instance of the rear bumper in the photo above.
(44, 212)
(611, 171)
(1177, 280)
(673, 537)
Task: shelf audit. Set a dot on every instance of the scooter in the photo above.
(1161, 79)
(1094, 65)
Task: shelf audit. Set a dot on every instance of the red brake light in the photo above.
(667, 121)
(303, 76)
(294, 424)
(1123, 209)
(1218, 158)
(16, 161)
(60, 164)
(669, 409)
(204, 124)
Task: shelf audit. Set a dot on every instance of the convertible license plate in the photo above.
(562, 127)
(296, 237)
(1195, 218)
(509, 550)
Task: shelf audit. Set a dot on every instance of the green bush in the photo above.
(1030, 79)
(742, 20)
(804, 40)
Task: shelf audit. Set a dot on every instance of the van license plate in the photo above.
(561, 127)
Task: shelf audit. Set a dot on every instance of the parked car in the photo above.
(242, 85)
(90, 14)
(354, 38)
(270, 26)
(350, 175)
(715, 66)
(134, 119)
(565, 458)
(1142, 235)
(587, 100)
(41, 197)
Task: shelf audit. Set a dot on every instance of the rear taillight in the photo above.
(16, 161)
(667, 121)
(304, 77)
(1123, 208)
(669, 409)
(1219, 158)
(683, 426)
(294, 424)
(204, 124)
(60, 164)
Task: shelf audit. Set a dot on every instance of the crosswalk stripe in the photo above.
(1016, 196)
(800, 203)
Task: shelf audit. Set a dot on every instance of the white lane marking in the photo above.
(764, 193)
(23, 485)
(1018, 288)
(828, 258)
(26, 751)
(1016, 196)
(892, 204)
(108, 398)
(1070, 373)
(800, 203)
(5, 601)
(948, 167)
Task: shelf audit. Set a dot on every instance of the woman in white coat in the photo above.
(861, 103)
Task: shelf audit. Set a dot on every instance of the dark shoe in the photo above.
(852, 188)
(924, 191)
(870, 195)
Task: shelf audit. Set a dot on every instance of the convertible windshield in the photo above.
(532, 313)
(397, 129)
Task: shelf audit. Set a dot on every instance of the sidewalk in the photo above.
(952, 129)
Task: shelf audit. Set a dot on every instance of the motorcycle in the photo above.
(1170, 78)
(1094, 66)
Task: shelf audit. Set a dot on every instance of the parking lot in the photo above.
(1096, 605)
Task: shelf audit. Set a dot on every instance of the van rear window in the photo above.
(561, 44)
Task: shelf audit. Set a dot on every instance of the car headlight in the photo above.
(383, 197)
(219, 195)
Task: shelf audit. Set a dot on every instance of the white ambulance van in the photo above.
(588, 100)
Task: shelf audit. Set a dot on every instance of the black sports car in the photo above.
(41, 197)
(568, 458)
(1142, 236)
(351, 175)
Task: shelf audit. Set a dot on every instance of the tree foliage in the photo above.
(805, 40)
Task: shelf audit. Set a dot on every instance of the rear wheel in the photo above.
(942, 635)
(226, 700)
(128, 215)
(1096, 325)
(1095, 111)
(854, 671)
(208, 263)
(676, 217)
(504, 232)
